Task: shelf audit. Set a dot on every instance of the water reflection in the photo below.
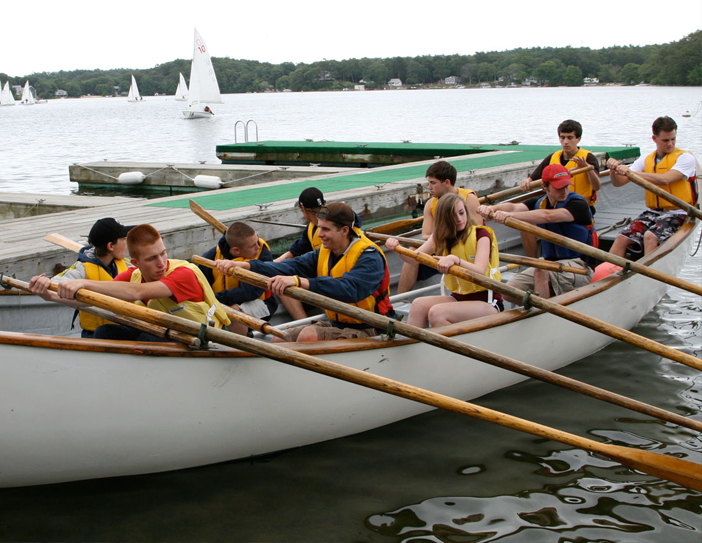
(586, 508)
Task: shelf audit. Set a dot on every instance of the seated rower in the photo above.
(310, 202)
(347, 267)
(561, 212)
(240, 243)
(172, 286)
(672, 170)
(101, 260)
(458, 241)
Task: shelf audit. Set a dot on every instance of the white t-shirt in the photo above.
(685, 164)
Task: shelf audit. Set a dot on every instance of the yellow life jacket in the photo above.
(95, 272)
(379, 301)
(463, 193)
(225, 282)
(313, 236)
(581, 183)
(685, 189)
(466, 251)
(194, 311)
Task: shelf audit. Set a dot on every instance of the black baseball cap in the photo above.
(311, 198)
(107, 231)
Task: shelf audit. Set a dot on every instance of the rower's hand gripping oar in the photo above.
(562, 311)
(464, 349)
(663, 466)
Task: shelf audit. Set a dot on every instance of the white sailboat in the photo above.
(6, 98)
(204, 88)
(181, 94)
(28, 97)
(134, 95)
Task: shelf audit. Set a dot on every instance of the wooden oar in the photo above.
(200, 212)
(602, 255)
(64, 242)
(158, 331)
(504, 257)
(663, 466)
(239, 316)
(655, 189)
(401, 225)
(464, 349)
(562, 311)
(254, 322)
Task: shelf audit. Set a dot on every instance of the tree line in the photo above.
(676, 63)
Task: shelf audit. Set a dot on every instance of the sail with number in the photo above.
(134, 95)
(6, 98)
(182, 91)
(204, 88)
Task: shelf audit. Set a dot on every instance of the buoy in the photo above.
(207, 181)
(130, 178)
(604, 270)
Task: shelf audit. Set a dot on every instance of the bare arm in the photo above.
(123, 290)
(428, 224)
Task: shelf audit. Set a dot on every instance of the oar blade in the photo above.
(670, 468)
(204, 215)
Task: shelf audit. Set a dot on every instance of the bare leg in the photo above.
(309, 333)
(419, 311)
(293, 307)
(515, 301)
(448, 313)
(530, 244)
(620, 245)
(542, 283)
(650, 242)
(408, 277)
(238, 328)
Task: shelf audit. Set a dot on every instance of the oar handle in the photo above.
(200, 212)
(682, 204)
(250, 321)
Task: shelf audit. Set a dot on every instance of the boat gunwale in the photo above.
(173, 349)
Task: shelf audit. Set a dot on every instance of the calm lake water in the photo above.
(438, 477)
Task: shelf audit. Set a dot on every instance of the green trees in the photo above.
(677, 63)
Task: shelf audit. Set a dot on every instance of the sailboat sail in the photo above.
(204, 88)
(182, 91)
(6, 98)
(134, 95)
(27, 95)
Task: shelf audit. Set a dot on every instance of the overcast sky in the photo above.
(82, 34)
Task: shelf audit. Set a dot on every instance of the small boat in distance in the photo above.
(28, 95)
(134, 95)
(6, 98)
(181, 94)
(204, 89)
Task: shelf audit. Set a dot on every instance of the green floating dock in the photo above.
(267, 194)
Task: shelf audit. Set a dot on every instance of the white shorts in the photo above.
(256, 308)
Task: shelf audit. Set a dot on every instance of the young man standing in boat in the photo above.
(101, 260)
(672, 170)
(172, 286)
(559, 211)
(347, 267)
(240, 243)
(441, 179)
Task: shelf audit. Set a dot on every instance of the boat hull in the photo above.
(72, 409)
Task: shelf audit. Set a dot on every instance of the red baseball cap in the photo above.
(557, 175)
